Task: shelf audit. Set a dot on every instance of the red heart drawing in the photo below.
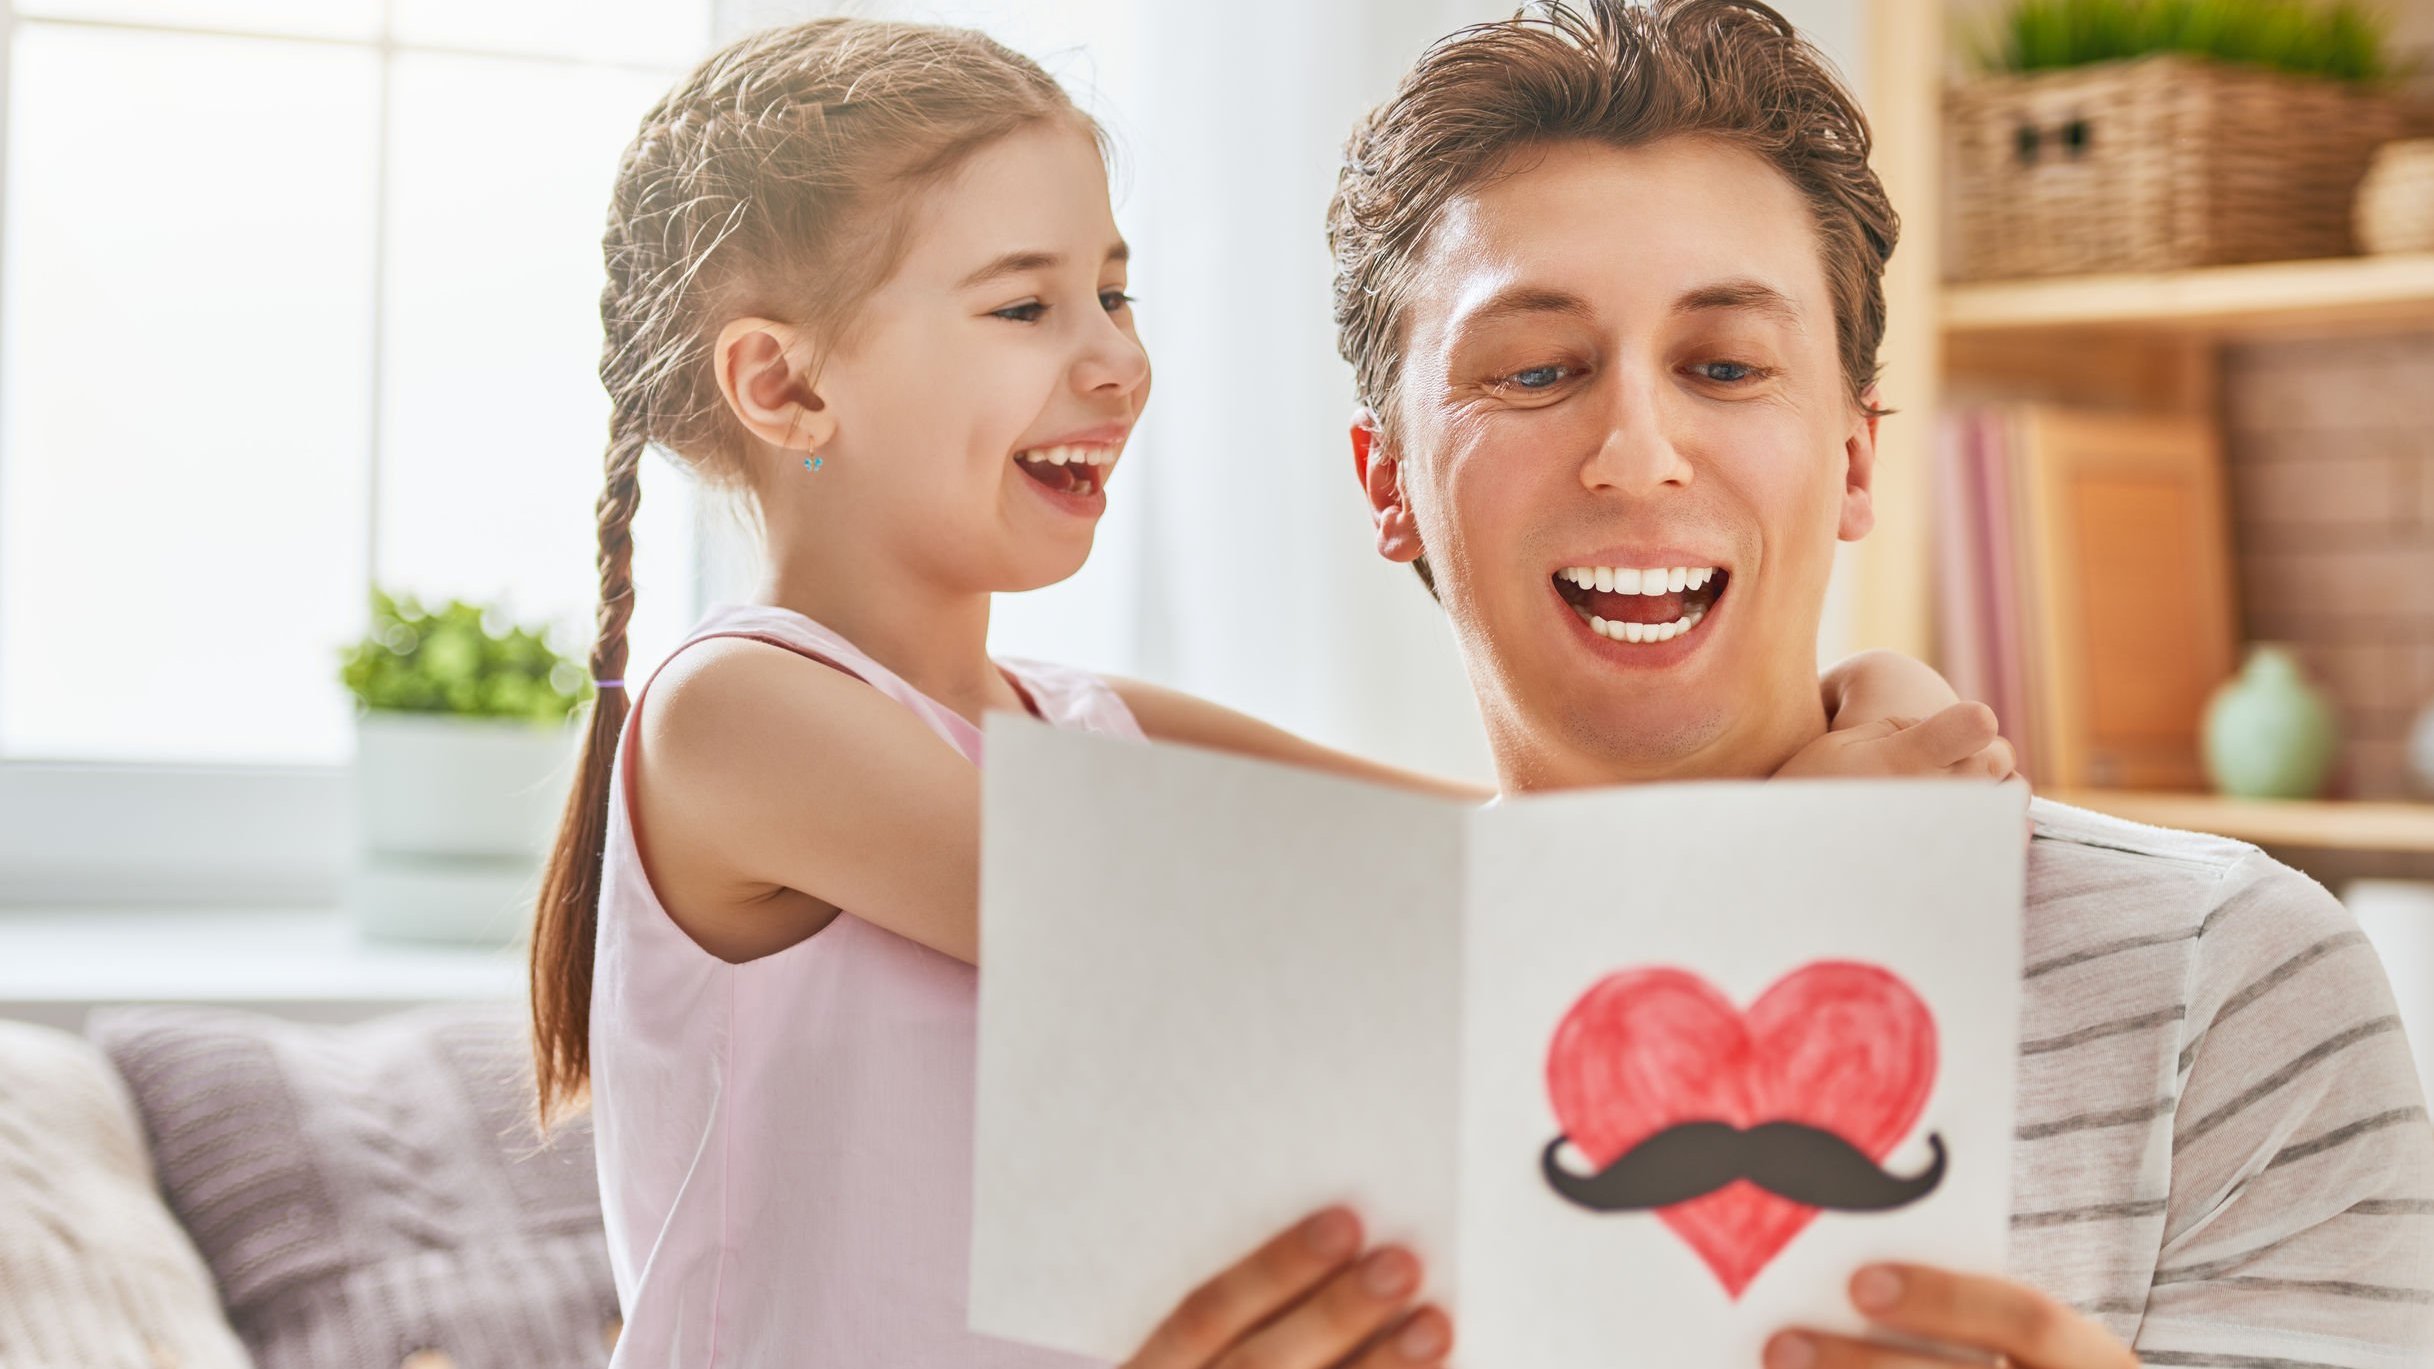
(1836, 1044)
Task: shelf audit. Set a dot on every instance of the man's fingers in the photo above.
(2032, 1329)
(1332, 1324)
(1424, 1338)
(1226, 1308)
(1953, 735)
(1817, 1350)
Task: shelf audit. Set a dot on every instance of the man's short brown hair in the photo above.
(1614, 73)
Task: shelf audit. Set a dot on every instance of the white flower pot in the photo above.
(454, 819)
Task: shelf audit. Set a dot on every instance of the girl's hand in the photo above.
(1874, 702)
(1302, 1301)
(2026, 1328)
(1960, 742)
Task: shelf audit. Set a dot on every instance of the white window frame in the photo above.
(75, 833)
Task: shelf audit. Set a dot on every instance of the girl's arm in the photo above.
(792, 790)
(1879, 684)
(1875, 703)
(1172, 716)
(782, 775)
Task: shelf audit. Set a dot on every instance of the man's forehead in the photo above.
(1682, 229)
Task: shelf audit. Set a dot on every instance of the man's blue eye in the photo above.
(1546, 376)
(1748, 372)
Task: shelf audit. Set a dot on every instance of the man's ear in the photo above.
(1859, 476)
(763, 376)
(1381, 475)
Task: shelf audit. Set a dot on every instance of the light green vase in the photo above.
(2269, 734)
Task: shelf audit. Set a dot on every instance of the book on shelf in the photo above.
(2084, 586)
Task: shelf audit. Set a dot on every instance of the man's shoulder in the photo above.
(2099, 886)
(2099, 847)
(2137, 877)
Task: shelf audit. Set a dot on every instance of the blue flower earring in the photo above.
(813, 463)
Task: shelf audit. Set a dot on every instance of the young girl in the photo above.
(867, 274)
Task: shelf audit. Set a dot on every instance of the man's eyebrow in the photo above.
(1741, 293)
(1514, 301)
(1017, 262)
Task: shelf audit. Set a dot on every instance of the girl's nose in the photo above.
(1113, 362)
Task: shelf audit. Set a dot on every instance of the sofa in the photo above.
(211, 1188)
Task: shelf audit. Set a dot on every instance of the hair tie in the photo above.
(610, 684)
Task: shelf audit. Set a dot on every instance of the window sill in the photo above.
(309, 963)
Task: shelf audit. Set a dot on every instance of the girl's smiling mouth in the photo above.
(1078, 469)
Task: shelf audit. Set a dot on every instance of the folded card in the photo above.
(1642, 1073)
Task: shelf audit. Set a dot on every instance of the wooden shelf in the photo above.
(2331, 825)
(2271, 297)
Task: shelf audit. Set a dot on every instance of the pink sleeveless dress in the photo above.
(785, 1145)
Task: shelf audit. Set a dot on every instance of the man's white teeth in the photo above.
(1642, 632)
(1058, 456)
(1627, 580)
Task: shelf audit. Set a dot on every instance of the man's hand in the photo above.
(1962, 741)
(2028, 1329)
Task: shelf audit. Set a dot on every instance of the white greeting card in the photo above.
(1642, 1073)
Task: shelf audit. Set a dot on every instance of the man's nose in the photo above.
(1635, 455)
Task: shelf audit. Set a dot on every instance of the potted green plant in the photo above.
(2157, 135)
(466, 729)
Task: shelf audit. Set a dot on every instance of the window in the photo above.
(294, 294)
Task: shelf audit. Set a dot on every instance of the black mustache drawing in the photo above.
(1806, 1164)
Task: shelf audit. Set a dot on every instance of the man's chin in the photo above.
(1651, 747)
(1593, 737)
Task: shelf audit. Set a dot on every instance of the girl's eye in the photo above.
(1028, 312)
(1538, 377)
(1112, 300)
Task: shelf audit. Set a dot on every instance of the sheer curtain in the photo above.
(1235, 560)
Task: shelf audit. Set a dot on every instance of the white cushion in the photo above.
(94, 1270)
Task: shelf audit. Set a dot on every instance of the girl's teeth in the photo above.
(1077, 456)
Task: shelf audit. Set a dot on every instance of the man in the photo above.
(1610, 280)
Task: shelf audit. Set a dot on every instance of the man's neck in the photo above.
(1535, 760)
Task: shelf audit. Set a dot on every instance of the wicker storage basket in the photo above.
(2155, 164)
(2396, 200)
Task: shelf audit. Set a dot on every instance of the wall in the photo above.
(2330, 451)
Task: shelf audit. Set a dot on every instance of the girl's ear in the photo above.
(763, 376)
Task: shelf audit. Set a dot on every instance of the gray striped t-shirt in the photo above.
(2223, 1150)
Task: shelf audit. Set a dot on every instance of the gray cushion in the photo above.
(93, 1268)
(369, 1193)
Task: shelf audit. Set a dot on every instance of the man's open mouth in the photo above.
(1074, 470)
(1641, 604)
